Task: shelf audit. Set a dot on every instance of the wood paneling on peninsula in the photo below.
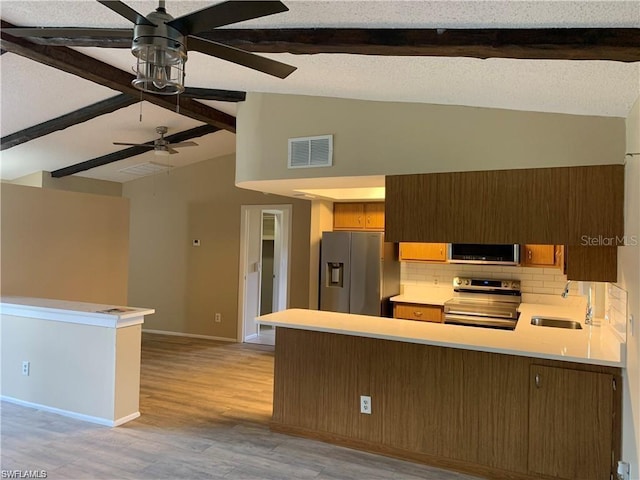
(538, 206)
(470, 411)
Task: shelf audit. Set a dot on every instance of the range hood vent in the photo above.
(309, 152)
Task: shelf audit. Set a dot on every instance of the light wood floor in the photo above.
(205, 409)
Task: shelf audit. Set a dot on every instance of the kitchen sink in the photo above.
(555, 322)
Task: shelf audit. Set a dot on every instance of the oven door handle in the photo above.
(477, 314)
(477, 321)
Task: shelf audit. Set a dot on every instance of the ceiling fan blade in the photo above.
(171, 150)
(127, 12)
(235, 55)
(71, 32)
(134, 144)
(225, 13)
(182, 144)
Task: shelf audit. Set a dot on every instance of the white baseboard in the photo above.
(67, 413)
(123, 420)
(190, 335)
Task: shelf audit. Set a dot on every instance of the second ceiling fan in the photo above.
(160, 42)
(161, 146)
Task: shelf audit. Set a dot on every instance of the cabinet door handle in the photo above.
(359, 220)
(529, 254)
(538, 380)
(417, 314)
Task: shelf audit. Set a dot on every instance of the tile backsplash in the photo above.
(533, 280)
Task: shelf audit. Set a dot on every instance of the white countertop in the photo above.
(435, 296)
(101, 315)
(597, 345)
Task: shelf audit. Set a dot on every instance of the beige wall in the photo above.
(82, 184)
(185, 284)
(70, 183)
(127, 371)
(321, 221)
(629, 279)
(88, 370)
(31, 180)
(64, 245)
(377, 138)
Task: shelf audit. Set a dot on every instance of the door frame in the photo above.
(284, 212)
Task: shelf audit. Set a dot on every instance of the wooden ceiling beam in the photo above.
(78, 116)
(132, 151)
(214, 94)
(76, 63)
(616, 44)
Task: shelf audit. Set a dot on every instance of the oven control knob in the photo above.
(505, 284)
(466, 282)
(456, 281)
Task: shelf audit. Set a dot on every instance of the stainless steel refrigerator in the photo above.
(359, 272)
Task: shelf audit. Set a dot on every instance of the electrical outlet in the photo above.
(218, 317)
(196, 243)
(25, 368)
(365, 404)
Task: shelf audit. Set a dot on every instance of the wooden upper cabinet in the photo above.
(423, 252)
(348, 216)
(374, 216)
(539, 256)
(358, 216)
(570, 206)
(552, 206)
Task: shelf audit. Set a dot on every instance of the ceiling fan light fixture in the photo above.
(161, 53)
(162, 152)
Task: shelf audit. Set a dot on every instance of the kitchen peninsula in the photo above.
(535, 402)
(77, 359)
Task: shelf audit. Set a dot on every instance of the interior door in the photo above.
(252, 273)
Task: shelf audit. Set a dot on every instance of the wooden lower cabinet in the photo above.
(578, 408)
(474, 412)
(417, 311)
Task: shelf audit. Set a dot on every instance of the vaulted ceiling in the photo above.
(589, 64)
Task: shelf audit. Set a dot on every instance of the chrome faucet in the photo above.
(588, 318)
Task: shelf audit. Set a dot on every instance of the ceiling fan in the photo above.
(161, 146)
(160, 42)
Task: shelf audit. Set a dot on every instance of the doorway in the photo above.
(264, 268)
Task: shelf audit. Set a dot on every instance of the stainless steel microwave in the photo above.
(479, 253)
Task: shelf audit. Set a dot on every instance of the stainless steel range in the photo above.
(484, 303)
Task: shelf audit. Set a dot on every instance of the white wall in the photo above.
(629, 279)
(378, 138)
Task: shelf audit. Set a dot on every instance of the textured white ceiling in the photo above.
(32, 93)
